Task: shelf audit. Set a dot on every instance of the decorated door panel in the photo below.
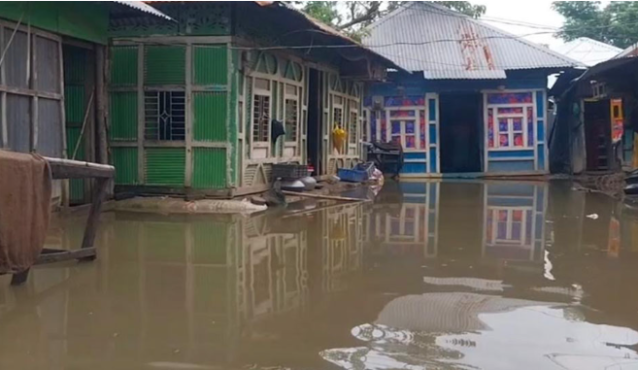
(515, 131)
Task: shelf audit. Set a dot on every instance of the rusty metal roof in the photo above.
(445, 44)
(141, 6)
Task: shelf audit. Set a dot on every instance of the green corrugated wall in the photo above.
(124, 66)
(209, 116)
(76, 186)
(123, 116)
(165, 65)
(165, 166)
(210, 65)
(74, 104)
(125, 162)
(123, 111)
(209, 168)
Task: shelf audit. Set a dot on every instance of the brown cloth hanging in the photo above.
(25, 201)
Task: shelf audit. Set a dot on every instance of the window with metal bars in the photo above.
(292, 119)
(338, 117)
(165, 115)
(352, 129)
(261, 118)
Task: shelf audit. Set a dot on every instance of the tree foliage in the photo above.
(615, 23)
(353, 16)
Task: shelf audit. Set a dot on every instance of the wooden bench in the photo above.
(62, 169)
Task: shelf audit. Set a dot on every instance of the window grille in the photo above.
(165, 115)
(292, 119)
(261, 118)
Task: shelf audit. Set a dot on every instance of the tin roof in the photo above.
(141, 6)
(445, 44)
(631, 51)
(329, 31)
(587, 51)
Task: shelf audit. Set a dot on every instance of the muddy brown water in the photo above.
(461, 275)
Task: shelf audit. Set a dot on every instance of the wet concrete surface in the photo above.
(461, 275)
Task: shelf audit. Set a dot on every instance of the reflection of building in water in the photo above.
(459, 220)
(341, 245)
(272, 274)
(515, 221)
(175, 289)
(408, 228)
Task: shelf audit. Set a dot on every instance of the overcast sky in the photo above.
(538, 12)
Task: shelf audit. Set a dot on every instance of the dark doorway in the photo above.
(314, 120)
(597, 134)
(460, 119)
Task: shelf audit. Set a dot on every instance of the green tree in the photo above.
(615, 23)
(356, 15)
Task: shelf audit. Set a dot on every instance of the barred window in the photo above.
(165, 115)
(352, 129)
(292, 119)
(338, 117)
(261, 118)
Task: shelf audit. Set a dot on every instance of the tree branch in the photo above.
(370, 14)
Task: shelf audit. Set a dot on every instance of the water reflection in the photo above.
(466, 275)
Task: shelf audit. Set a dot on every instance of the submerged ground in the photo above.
(458, 275)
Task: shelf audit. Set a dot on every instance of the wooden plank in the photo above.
(64, 256)
(30, 92)
(66, 193)
(68, 169)
(321, 196)
(172, 40)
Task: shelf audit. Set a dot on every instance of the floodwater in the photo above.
(454, 275)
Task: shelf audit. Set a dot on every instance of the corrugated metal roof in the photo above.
(631, 51)
(141, 6)
(587, 51)
(329, 30)
(445, 44)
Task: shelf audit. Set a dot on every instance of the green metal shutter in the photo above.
(124, 66)
(165, 65)
(165, 166)
(209, 117)
(210, 65)
(123, 116)
(125, 162)
(209, 168)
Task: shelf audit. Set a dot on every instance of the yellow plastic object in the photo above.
(339, 137)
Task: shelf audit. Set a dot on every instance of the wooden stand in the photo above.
(67, 169)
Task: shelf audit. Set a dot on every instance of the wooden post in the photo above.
(65, 184)
(188, 171)
(100, 100)
(94, 216)
(20, 278)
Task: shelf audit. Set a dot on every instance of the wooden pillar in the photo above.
(100, 103)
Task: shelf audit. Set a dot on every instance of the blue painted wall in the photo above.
(415, 84)
(529, 160)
